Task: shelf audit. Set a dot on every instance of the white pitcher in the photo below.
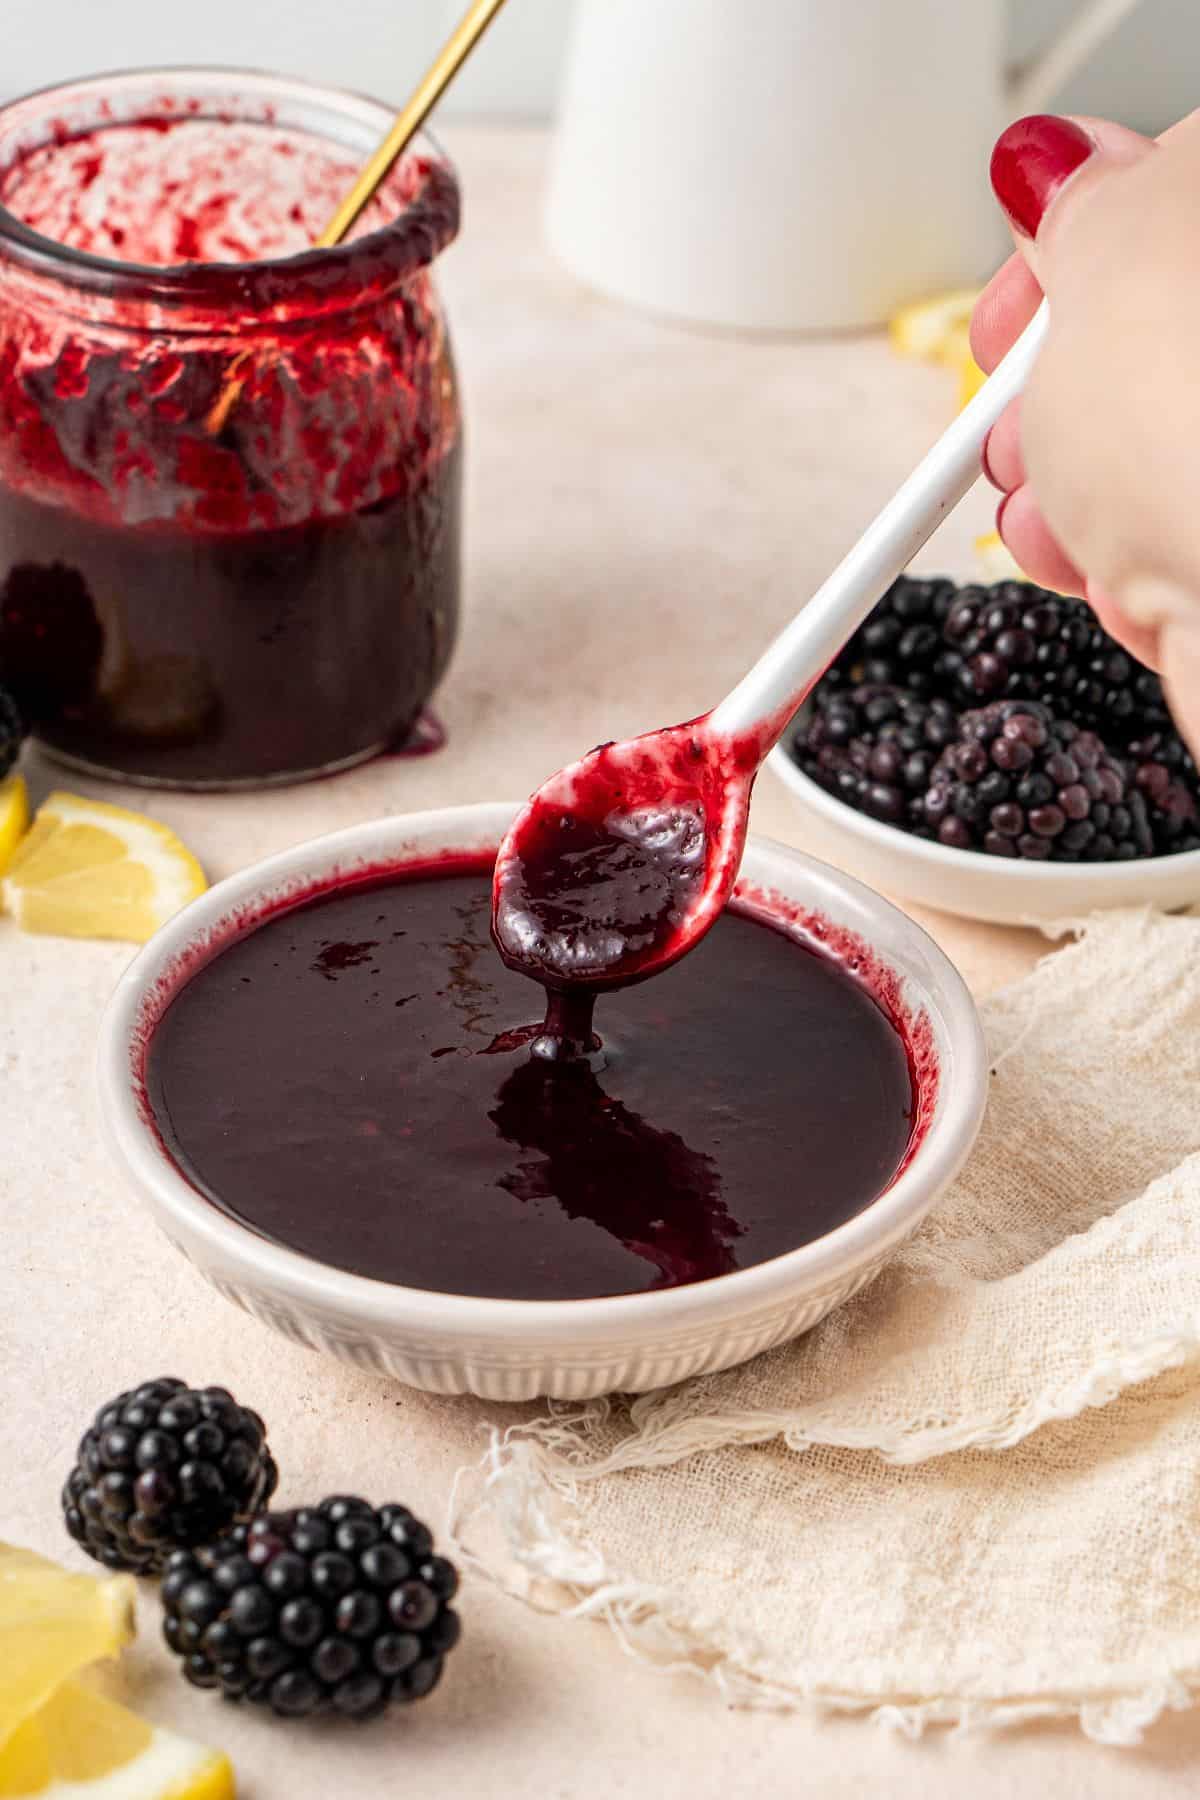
(790, 164)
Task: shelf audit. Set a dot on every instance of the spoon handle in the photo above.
(779, 680)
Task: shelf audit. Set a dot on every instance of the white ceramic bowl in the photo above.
(518, 1349)
(998, 889)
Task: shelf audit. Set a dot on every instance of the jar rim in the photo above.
(365, 266)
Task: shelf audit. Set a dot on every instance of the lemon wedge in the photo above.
(80, 1746)
(957, 356)
(58, 1739)
(939, 331)
(87, 869)
(923, 330)
(14, 817)
(996, 560)
(52, 1624)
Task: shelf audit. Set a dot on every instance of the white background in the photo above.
(1148, 74)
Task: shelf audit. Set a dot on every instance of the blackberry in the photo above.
(1109, 691)
(1015, 640)
(339, 1607)
(1085, 675)
(1006, 640)
(930, 656)
(51, 640)
(12, 733)
(899, 644)
(1019, 782)
(874, 747)
(1165, 774)
(162, 1466)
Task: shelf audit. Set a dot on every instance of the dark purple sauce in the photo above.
(619, 865)
(241, 656)
(426, 737)
(584, 905)
(588, 901)
(354, 1079)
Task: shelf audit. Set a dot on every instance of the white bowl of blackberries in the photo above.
(992, 751)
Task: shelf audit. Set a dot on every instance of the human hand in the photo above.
(1099, 464)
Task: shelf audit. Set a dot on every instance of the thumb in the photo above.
(1044, 168)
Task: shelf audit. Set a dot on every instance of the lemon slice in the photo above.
(923, 330)
(940, 331)
(996, 560)
(14, 817)
(80, 1746)
(87, 869)
(59, 1740)
(52, 1624)
(957, 356)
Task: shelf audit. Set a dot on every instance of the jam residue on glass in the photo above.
(241, 193)
(352, 1078)
(280, 599)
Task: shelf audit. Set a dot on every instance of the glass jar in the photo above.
(229, 464)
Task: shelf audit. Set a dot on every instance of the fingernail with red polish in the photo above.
(1031, 161)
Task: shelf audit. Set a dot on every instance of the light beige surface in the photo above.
(645, 507)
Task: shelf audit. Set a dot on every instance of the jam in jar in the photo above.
(203, 595)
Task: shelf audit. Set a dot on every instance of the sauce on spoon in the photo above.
(617, 866)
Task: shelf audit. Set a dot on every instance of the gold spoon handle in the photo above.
(445, 67)
(449, 60)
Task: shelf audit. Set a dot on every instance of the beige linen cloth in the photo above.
(972, 1495)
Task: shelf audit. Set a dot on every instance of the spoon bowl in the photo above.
(622, 861)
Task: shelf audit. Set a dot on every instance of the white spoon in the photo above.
(622, 861)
